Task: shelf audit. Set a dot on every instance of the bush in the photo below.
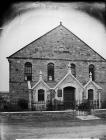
(85, 106)
(12, 107)
(49, 106)
(104, 105)
(3, 104)
(23, 104)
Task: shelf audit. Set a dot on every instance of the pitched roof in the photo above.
(51, 84)
(58, 43)
(68, 74)
(92, 82)
(40, 81)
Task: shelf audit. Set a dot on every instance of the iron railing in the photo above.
(61, 105)
(39, 105)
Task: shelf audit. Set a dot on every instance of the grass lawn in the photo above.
(51, 125)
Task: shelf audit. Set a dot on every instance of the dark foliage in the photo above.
(85, 106)
(103, 104)
(23, 104)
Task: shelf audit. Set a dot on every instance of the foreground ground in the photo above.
(51, 125)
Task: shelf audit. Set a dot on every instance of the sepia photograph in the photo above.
(53, 70)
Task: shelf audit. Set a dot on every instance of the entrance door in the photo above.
(69, 97)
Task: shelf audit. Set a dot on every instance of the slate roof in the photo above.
(58, 43)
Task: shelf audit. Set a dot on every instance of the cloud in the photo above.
(96, 10)
(17, 9)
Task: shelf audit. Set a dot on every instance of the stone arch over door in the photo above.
(69, 97)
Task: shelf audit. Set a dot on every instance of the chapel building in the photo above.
(57, 65)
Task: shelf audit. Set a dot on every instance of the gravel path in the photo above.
(11, 132)
(50, 125)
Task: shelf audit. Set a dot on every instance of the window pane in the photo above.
(73, 69)
(28, 71)
(59, 92)
(29, 77)
(41, 95)
(92, 70)
(50, 71)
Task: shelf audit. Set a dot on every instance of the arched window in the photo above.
(73, 69)
(92, 70)
(90, 94)
(41, 95)
(50, 69)
(28, 71)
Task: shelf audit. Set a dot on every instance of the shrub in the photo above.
(85, 106)
(23, 104)
(49, 106)
(103, 104)
(3, 104)
(12, 107)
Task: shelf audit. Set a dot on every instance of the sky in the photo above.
(30, 20)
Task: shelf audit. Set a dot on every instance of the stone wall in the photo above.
(5, 95)
(18, 85)
(59, 43)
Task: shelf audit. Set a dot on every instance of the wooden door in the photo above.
(69, 97)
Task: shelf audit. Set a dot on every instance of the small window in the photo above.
(50, 68)
(59, 92)
(92, 70)
(40, 95)
(28, 71)
(90, 94)
(73, 70)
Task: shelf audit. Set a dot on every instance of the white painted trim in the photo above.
(99, 100)
(92, 82)
(39, 83)
(69, 73)
(29, 84)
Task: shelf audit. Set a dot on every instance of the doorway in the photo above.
(69, 97)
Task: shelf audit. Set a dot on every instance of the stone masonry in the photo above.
(59, 46)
